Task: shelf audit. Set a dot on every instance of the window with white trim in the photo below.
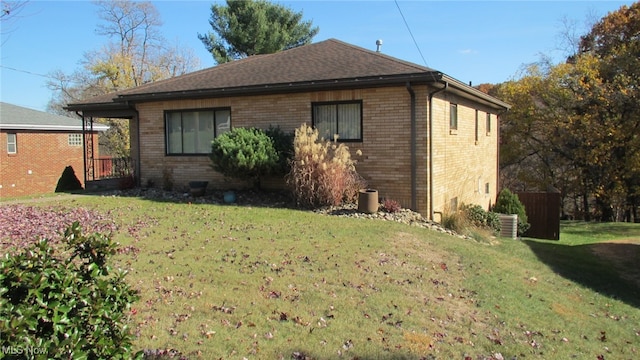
(74, 140)
(12, 143)
(338, 118)
(190, 132)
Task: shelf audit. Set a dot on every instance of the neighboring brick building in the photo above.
(36, 148)
(428, 140)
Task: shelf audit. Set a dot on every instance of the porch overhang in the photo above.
(117, 110)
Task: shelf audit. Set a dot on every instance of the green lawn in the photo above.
(237, 282)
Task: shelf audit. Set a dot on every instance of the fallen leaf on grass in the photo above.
(299, 321)
(22, 225)
(224, 309)
(347, 344)
(300, 356)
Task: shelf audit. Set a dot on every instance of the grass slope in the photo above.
(261, 283)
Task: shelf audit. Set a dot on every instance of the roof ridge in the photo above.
(388, 57)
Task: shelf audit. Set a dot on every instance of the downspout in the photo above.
(137, 169)
(84, 150)
(414, 161)
(430, 139)
(498, 116)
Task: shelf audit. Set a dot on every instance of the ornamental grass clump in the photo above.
(322, 172)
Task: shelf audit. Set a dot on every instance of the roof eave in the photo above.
(253, 90)
(34, 127)
(475, 94)
(123, 105)
(114, 109)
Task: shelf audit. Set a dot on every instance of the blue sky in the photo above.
(478, 41)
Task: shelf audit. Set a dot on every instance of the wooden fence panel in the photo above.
(543, 213)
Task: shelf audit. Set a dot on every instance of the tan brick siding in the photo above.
(461, 166)
(40, 160)
(386, 145)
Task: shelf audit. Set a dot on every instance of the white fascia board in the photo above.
(50, 127)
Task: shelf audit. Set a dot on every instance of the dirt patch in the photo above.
(624, 254)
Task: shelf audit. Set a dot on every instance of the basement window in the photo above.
(453, 204)
(338, 118)
(191, 132)
(12, 143)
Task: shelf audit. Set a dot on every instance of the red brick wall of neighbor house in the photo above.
(40, 159)
(386, 160)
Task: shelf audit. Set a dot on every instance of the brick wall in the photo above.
(462, 166)
(385, 162)
(40, 160)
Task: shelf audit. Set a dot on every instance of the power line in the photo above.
(26, 72)
(410, 33)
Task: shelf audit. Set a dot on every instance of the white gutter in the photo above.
(50, 127)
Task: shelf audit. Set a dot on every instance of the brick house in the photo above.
(428, 140)
(37, 146)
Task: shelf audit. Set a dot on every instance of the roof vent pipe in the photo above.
(378, 45)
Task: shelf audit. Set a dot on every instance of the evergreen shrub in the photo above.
(66, 306)
(244, 153)
(509, 203)
(283, 144)
(481, 218)
(68, 181)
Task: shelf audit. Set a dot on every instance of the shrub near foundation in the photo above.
(509, 203)
(322, 172)
(69, 305)
(246, 154)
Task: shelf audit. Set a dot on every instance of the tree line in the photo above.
(575, 126)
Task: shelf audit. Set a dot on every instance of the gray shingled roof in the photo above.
(13, 117)
(328, 64)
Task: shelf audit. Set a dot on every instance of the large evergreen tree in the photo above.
(245, 28)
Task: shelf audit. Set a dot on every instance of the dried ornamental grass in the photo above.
(322, 172)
